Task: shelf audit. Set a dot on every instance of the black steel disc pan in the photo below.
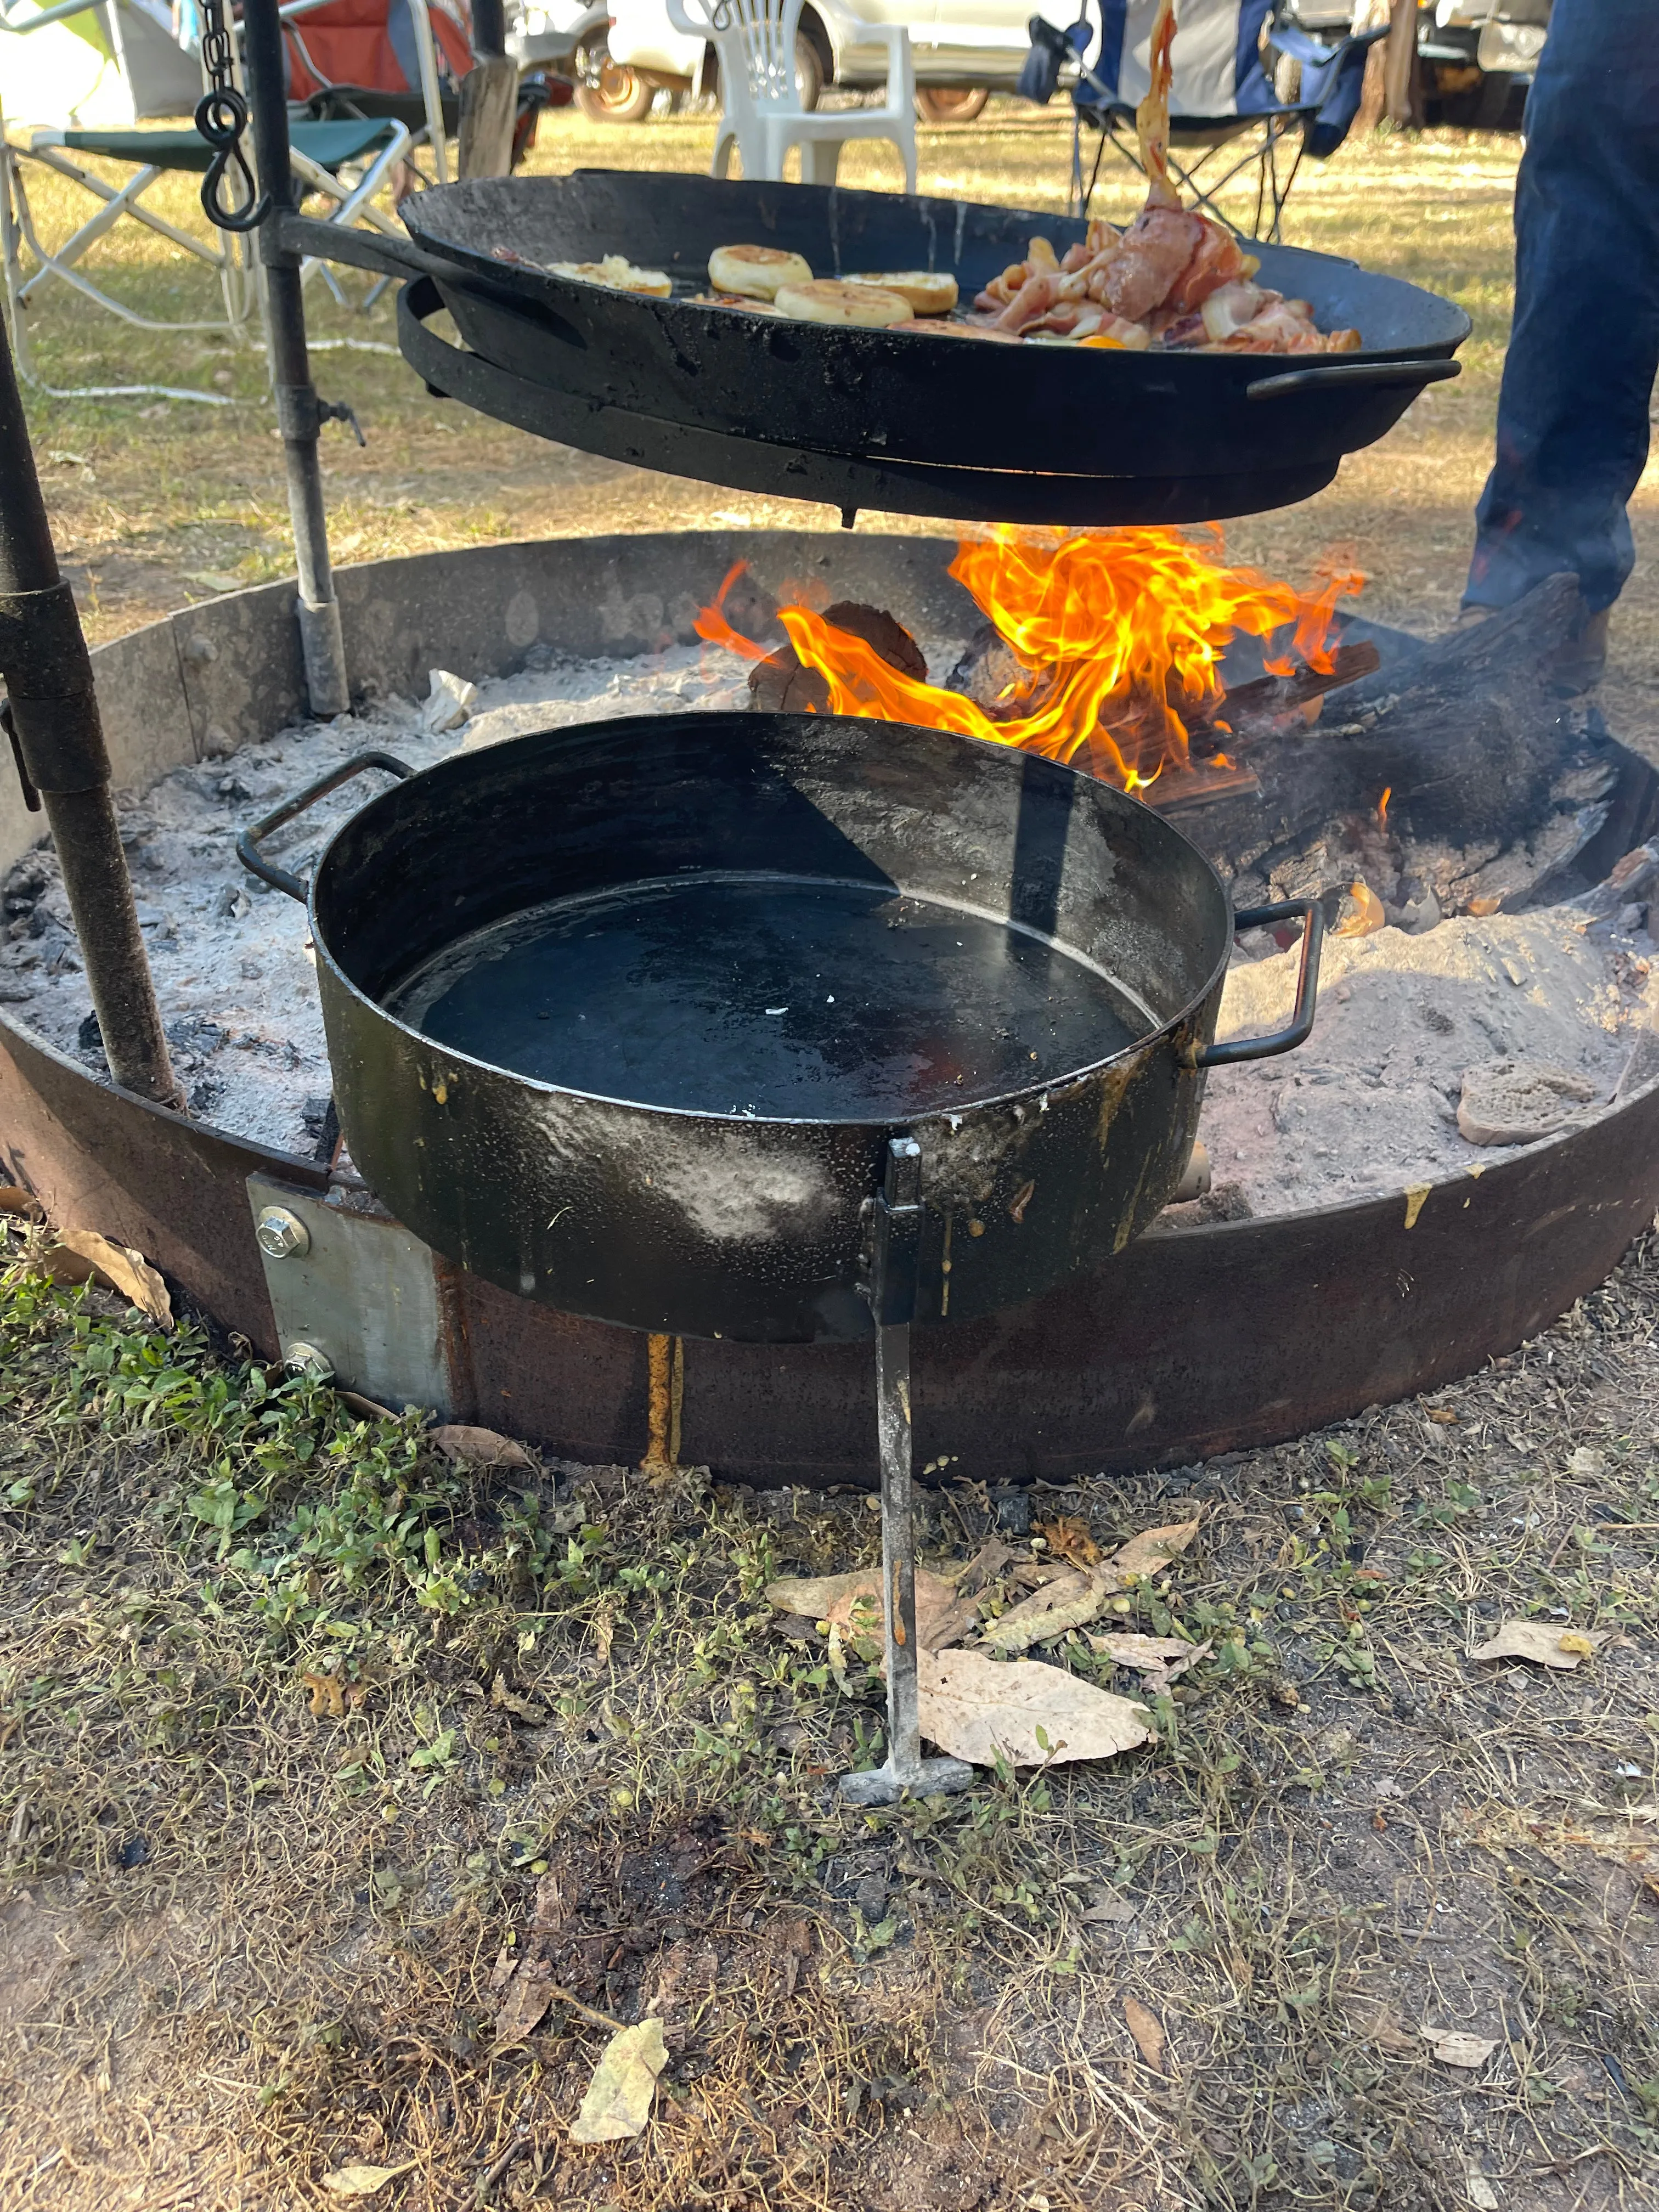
(1254, 427)
(622, 1017)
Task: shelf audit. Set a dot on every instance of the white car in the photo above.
(962, 49)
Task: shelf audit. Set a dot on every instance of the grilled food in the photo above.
(828, 299)
(616, 274)
(928, 294)
(757, 271)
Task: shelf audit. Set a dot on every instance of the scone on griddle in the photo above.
(928, 294)
(827, 300)
(757, 271)
(616, 274)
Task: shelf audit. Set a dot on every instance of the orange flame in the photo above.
(1120, 634)
(1383, 806)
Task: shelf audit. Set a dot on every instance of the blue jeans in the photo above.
(1573, 418)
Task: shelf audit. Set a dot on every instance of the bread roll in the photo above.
(757, 271)
(928, 294)
(616, 274)
(826, 300)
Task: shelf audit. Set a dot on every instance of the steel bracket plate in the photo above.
(362, 1293)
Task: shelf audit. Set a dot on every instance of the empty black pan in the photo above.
(1165, 436)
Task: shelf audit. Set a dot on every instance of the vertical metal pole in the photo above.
(897, 1233)
(58, 741)
(299, 413)
(489, 97)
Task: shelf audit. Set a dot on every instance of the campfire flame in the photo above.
(1120, 634)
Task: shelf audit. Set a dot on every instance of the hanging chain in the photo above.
(221, 117)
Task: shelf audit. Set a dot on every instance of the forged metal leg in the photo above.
(892, 1291)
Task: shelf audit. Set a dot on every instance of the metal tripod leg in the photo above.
(892, 1297)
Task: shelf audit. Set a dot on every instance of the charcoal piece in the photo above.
(90, 1034)
(992, 674)
(782, 685)
(205, 1095)
(752, 611)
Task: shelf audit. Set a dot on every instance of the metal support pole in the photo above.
(299, 413)
(897, 1228)
(56, 740)
(489, 97)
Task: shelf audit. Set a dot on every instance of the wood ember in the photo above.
(781, 685)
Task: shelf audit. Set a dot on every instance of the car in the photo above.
(964, 50)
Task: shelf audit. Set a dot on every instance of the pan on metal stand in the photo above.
(578, 994)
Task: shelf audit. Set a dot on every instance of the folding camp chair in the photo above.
(1227, 118)
(320, 153)
(397, 60)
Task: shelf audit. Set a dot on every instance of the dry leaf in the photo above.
(327, 1696)
(1106, 1911)
(1443, 1416)
(362, 2181)
(851, 1604)
(82, 1256)
(502, 1697)
(618, 2100)
(1069, 1539)
(1482, 2195)
(1154, 1548)
(523, 2008)
(365, 1409)
(1148, 2032)
(477, 1447)
(1070, 1599)
(986, 1563)
(974, 1707)
(1379, 2023)
(14, 1199)
(1542, 1641)
(1454, 2048)
(1159, 1658)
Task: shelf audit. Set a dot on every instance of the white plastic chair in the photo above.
(762, 114)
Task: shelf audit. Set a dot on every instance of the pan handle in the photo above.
(247, 845)
(1307, 987)
(1352, 375)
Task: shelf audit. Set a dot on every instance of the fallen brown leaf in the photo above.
(1069, 1539)
(456, 1440)
(1452, 2047)
(365, 1409)
(976, 1707)
(1154, 1548)
(507, 1702)
(852, 1604)
(14, 1199)
(1107, 1911)
(362, 2181)
(1543, 1643)
(618, 2100)
(1072, 1598)
(986, 1563)
(1159, 1658)
(523, 2008)
(83, 1255)
(1148, 2032)
(327, 1696)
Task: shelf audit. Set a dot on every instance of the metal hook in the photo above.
(220, 119)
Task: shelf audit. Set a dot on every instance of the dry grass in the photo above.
(247, 1944)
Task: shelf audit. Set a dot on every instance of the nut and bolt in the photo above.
(307, 1359)
(282, 1234)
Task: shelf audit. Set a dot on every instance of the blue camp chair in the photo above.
(1226, 117)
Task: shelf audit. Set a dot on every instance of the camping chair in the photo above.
(395, 60)
(1225, 117)
(761, 112)
(321, 152)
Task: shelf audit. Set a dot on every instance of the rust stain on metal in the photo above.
(1020, 1201)
(1416, 1194)
(1112, 1086)
(665, 1392)
(893, 1613)
(945, 1270)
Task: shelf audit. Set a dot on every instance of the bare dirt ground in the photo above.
(322, 1762)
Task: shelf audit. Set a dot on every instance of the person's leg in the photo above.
(1573, 418)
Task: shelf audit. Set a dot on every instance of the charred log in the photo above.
(781, 684)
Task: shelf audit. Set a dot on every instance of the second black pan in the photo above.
(888, 396)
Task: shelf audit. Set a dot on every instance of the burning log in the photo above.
(783, 685)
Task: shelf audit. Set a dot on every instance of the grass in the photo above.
(318, 1748)
(319, 1753)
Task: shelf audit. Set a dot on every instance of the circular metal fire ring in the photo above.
(1195, 1342)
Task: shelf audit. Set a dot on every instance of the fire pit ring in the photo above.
(1196, 1341)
